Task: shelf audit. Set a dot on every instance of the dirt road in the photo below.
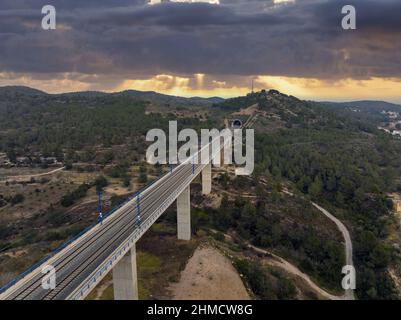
(349, 294)
(279, 262)
(30, 176)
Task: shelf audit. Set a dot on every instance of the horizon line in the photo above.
(345, 100)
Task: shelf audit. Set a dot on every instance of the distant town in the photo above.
(393, 125)
(36, 159)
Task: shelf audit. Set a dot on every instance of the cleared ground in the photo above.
(209, 275)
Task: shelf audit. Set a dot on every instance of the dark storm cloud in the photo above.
(67, 4)
(238, 37)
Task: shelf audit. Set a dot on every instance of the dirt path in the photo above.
(209, 275)
(30, 176)
(275, 260)
(292, 269)
(349, 294)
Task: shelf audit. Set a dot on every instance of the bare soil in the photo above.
(209, 275)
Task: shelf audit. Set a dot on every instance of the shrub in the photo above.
(100, 183)
(18, 198)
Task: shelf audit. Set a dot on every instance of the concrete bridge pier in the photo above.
(125, 280)
(184, 215)
(207, 179)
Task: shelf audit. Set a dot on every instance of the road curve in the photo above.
(349, 294)
(290, 268)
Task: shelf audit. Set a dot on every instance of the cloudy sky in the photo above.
(206, 48)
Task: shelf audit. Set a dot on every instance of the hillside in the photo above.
(168, 100)
(342, 161)
(152, 96)
(32, 121)
(14, 91)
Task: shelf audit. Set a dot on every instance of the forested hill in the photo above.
(169, 100)
(279, 110)
(15, 91)
(10, 92)
(339, 159)
(32, 121)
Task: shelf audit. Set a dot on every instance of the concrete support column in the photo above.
(207, 179)
(184, 215)
(125, 280)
